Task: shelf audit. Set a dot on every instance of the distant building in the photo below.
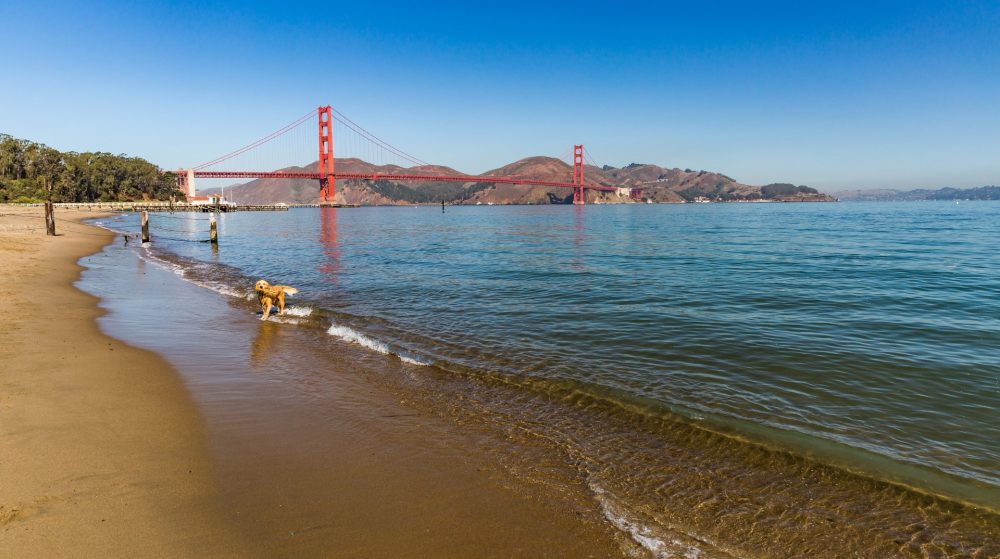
(208, 200)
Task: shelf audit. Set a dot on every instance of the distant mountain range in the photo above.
(889, 195)
(658, 184)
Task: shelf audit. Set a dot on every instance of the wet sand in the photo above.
(314, 456)
(246, 447)
(102, 452)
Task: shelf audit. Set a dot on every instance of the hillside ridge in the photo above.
(658, 185)
(990, 192)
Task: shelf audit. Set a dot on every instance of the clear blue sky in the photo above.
(834, 95)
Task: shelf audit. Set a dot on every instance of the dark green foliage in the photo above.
(448, 192)
(784, 189)
(556, 199)
(396, 191)
(777, 189)
(35, 172)
(477, 187)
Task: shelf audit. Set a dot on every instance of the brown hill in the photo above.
(658, 184)
(675, 185)
(538, 168)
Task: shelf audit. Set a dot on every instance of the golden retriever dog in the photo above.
(268, 295)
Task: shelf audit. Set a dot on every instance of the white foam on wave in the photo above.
(657, 546)
(223, 289)
(179, 270)
(298, 311)
(355, 337)
(153, 259)
(412, 360)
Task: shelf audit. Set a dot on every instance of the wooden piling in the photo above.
(50, 220)
(214, 235)
(144, 218)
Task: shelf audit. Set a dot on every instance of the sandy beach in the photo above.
(110, 451)
(102, 453)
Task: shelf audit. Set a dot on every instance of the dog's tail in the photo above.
(289, 290)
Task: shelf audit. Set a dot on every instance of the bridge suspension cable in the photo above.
(370, 159)
(280, 132)
(357, 128)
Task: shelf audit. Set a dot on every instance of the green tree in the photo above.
(37, 172)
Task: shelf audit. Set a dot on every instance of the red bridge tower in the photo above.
(578, 175)
(327, 182)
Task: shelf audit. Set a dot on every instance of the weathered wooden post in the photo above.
(50, 220)
(214, 234)
(144, 217)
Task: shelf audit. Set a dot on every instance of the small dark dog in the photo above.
(269, 295)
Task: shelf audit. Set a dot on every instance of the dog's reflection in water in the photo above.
(264, 342)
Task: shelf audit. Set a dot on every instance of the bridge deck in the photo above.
(393, 177)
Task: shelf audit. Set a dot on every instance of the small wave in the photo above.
(658, 547)
(224, 289)
(353, 336)
(298, 311)
(412, 360)
(219, 287)
(153, 259)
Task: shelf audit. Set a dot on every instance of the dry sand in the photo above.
(102, 453)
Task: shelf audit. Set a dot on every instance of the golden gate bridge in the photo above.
(327, 174)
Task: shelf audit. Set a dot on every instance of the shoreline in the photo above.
(316, 442)
(312, 449)
(662, 483)
(103, 451)
(194, 473)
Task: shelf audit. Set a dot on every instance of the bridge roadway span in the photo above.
(392, 177)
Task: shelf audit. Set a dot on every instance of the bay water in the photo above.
(724, 379)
